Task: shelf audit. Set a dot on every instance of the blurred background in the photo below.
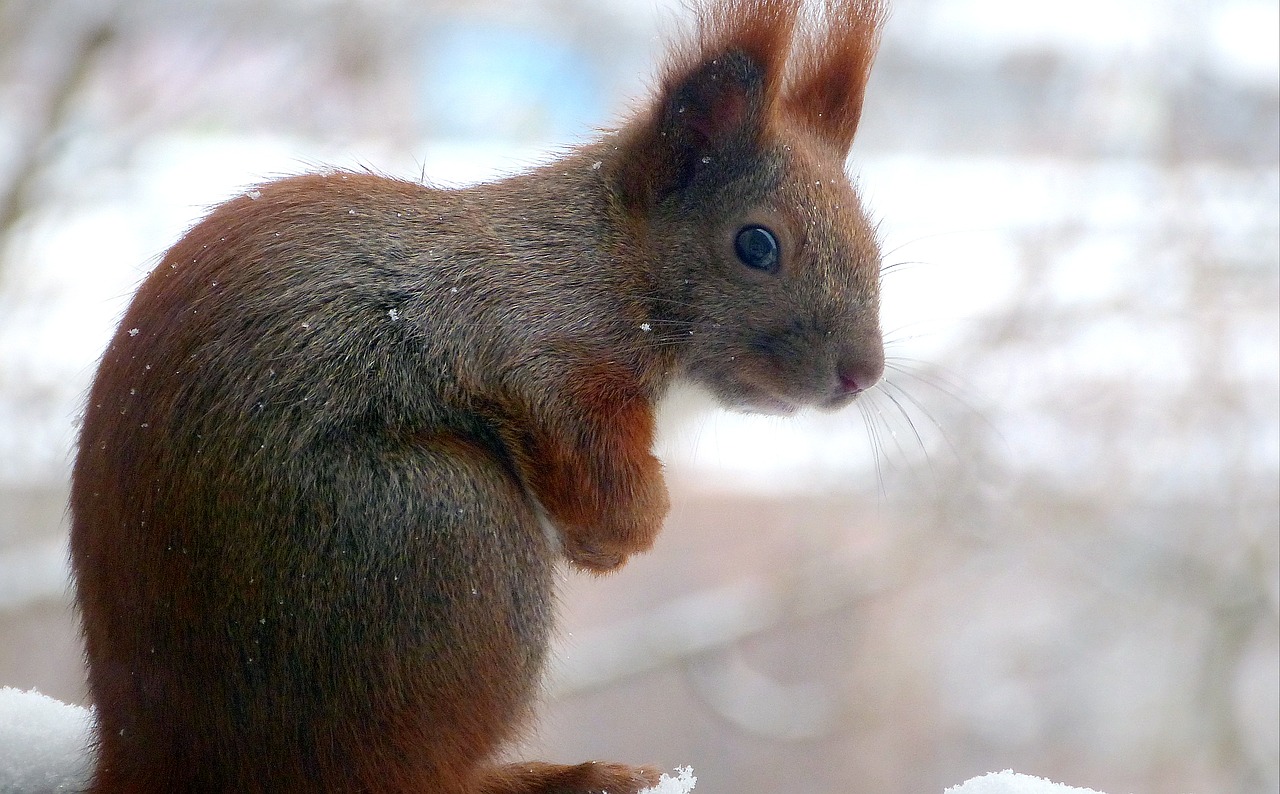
(1049, 541)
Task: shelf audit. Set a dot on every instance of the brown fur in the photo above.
(319, 453)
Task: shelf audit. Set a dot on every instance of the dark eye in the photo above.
(757, 247)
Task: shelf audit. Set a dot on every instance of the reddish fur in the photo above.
(598, 473)
(832, 69)
(553, 778)
(306, 538)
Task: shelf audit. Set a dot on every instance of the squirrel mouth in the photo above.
(765, 401)
(769, 405)
(836, 402)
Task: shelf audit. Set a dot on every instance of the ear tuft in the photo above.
(717, 90)
(831, 70)
(759, 29)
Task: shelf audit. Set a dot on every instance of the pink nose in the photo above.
(859, 377)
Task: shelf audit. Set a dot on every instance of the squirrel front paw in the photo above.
(596, 481)
(603, 549)
(589, 556)
(605, 543)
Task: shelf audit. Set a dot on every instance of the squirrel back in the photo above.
(349, 425)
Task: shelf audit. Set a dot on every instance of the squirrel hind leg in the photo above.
(587, 778)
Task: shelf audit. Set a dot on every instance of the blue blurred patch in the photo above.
(480, 80)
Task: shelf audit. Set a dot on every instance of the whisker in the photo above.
(893, 433)
(932, 236)
(894, 267)
(944, 381)
(892, 337)
(889, 389)
(877, 449)
(915, 432)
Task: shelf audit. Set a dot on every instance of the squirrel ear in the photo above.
(715, 103)
(830, 78)
(716, 91)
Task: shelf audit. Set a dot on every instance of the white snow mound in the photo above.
(44, 743)
(682, 783)
(1010, 782)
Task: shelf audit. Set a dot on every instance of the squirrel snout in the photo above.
(856, 375)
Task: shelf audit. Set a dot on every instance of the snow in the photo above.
(1009, 782)
(43, 743)
(43, 748)
(682, 783)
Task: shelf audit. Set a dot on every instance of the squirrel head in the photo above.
(764, 267)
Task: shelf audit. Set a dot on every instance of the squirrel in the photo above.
(349, 426)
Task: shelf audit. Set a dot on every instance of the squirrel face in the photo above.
(766, 266)
(804, 330)
(776, 290)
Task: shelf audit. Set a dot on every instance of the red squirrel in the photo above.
(350, 425)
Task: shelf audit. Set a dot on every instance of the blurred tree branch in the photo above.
(37, 146)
